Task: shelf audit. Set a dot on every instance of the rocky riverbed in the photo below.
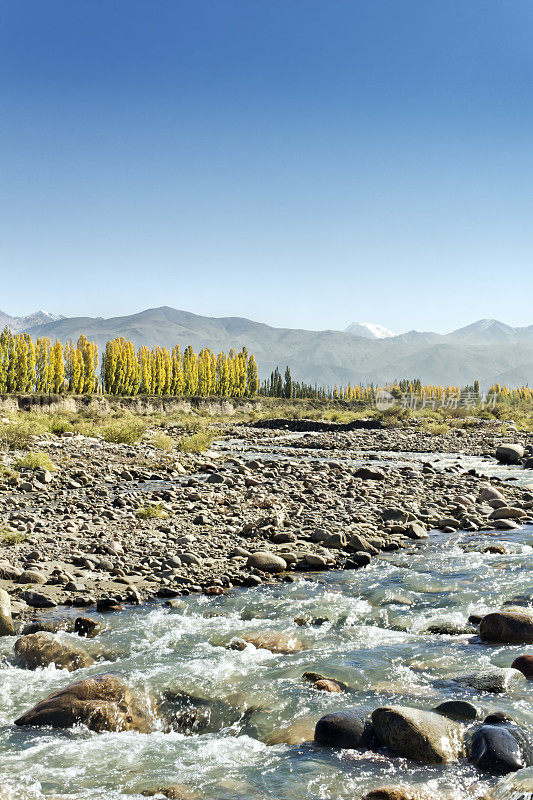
(388, 566)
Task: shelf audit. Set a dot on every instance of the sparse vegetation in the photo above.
(151, 511)
(161, 442)
(35, 460)
(196, 442)
(10, 537)
(127, 430)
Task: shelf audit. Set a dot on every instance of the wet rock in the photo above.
(500, 749)
(358, 560)
(516, 786)
(266, 562)
(327, 686)
(6, 620)
(510, 453)
(494, 679)
(343, 729)
(415, 530)
(174, 792)
(275, 642)
(46, 626)
(507, 626)
(297, 732)
(108, 605)
(42, 649)
(458, 710)
(85, 626)
(393, 793)
(524, 664)
(421, 735)
(105, 703)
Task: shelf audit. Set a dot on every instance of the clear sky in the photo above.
(304, 163)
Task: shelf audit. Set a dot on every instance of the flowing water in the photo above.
(374, 639)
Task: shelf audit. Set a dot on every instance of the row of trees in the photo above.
(42, 367)
(167, 372)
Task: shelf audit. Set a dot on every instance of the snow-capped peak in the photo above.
(369, 330)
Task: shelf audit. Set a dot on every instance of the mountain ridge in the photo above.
(484, 350)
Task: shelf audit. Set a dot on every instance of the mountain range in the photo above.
(487, 350)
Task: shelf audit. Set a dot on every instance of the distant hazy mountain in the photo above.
(368, 330)
(18, 324)
(487, 350)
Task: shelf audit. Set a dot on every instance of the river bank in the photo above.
(367, 563)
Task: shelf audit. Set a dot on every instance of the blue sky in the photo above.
(303, 163)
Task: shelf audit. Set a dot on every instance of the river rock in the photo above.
(458, 710)
(266, 562)
(275, 642)
(510, 453)
(298, 731)
(105, 703)
(6, 620)
(525, 665)
(42, 649)
(343, 729)
(508, 512)
(361, 545)
(507, 626)
(516, 786)
(421, 735)
(85, 626)
(500, 749)
(415, 530)
(174, 792)
(493, 679)
(487, 493)
(392, 793)
(369, 474)
(326, 685)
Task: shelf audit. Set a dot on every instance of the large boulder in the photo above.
(421, 735)
(105, 703)
(42, 649)
(500, 749)
(507, 626)
(6, 620)
(344, 729)
(510, 453)
(267, 562)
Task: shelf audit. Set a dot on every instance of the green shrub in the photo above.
(124, 431)
(59, 425)
(151, 511)
(161, 442)
(35, 460)
(18, 433)
(9, 536)
(196, 443)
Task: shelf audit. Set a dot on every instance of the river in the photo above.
(374, 638)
